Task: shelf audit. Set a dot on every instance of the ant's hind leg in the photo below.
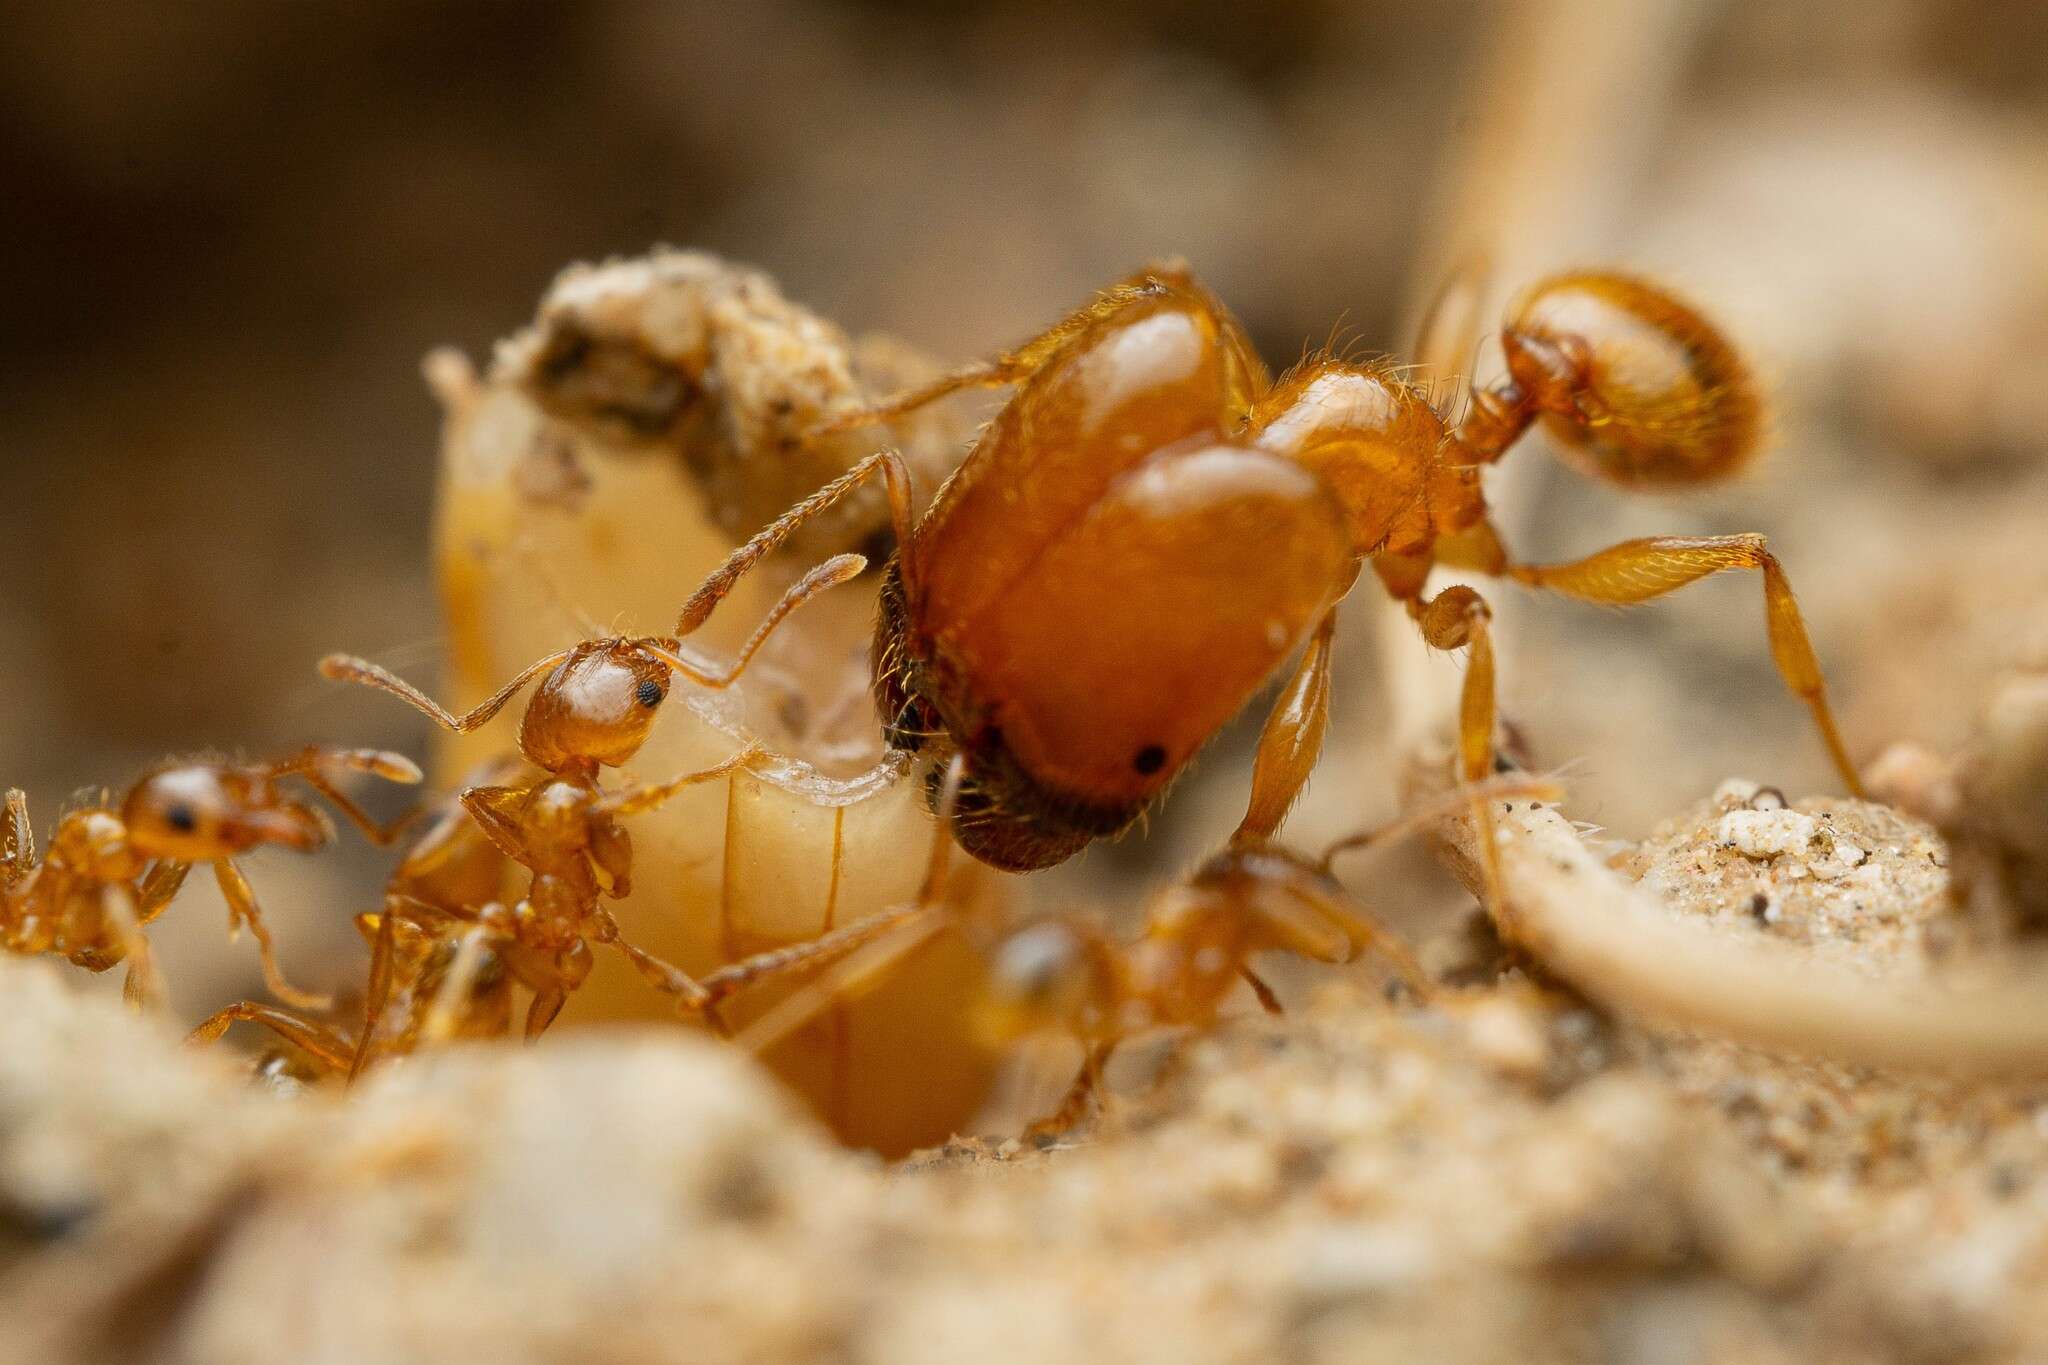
(1079, 1099)
(1639, 570)
(318, 1041)
(1291, 740)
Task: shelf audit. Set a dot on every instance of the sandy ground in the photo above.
(1504, 1173)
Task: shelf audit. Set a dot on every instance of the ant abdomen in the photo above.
(1634, 384)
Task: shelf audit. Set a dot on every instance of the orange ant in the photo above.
(594, 709)
(111, 871)
(449, 872)
(1066, 974)
(1152, 525)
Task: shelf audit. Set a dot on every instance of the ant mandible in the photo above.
(110, 871)
(1151, 526)
(594, 709)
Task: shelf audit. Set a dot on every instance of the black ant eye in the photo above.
(1150, 760)
(181, 819)
(650, 694)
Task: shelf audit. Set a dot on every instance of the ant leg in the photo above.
(1080, 1097)
(1639, 570)
(144, 986)
(1449, 334)
(1268, 1001)
(496, 812)
(377, 995)
(242, 909)
(17, 836)
(1478, 547)
(1455, 617)
(1011, 367)
(447, 1005)
(311, 765)
(1291, 741)
(160, 886)
(896, 479)
(666, 977)
(547, 1003)
(638, 800)
(317, 1040)
(348, 668)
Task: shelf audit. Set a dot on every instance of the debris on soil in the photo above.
(1504, 1172)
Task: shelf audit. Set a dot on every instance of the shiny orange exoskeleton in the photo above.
(110, 870)
(1152, 526)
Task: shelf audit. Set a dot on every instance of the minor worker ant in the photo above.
(1151, 526)
(110, 870)
(593, 709)
(450, 871)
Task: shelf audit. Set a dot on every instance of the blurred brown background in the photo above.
(234, 226)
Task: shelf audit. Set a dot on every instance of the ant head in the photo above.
(596, 706)
(1044, 977)
(196, 812)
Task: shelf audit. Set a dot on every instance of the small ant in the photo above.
(111, 871)
(1066, 974)
(594, 709)
(449, 872)
(1151, 526)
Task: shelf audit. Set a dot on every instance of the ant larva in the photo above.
(112, 869)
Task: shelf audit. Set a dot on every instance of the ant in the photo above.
(110, 871)
(447, 873)
(1151, 526)
(593, 709)
(1066, 974)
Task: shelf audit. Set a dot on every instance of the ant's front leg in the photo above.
(242, 909)
(144, 986)
(691, 997)
(1291, 740)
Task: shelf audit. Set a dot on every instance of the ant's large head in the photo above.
(596, 705)
(194, 812)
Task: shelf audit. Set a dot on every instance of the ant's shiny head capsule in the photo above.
(598, 704)
(195, 812)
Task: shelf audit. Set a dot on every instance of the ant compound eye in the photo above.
(650, 694)
(1150, 760)
(181, 819)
